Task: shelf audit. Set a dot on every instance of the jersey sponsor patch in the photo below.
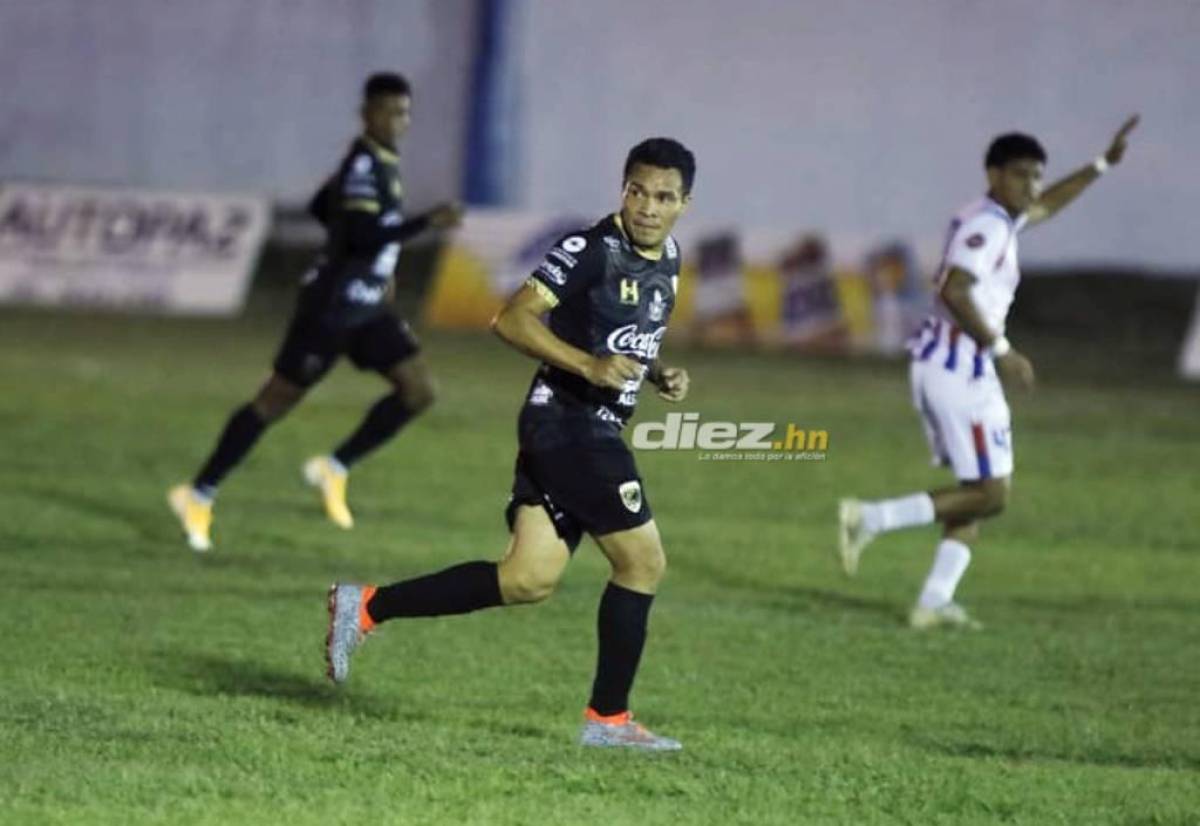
(657, 307)
(553, 272)
(541, 394)
(976, 241)
(359, 292)
(574, 244)
(627, 341)
(563, 256)
(606, 415)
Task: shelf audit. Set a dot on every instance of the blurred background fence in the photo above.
(834, 143)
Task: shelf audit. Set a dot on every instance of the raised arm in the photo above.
(1066, 190)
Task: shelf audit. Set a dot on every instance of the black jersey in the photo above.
(361, 206)
(607, 300)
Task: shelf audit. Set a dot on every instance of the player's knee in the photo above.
(531, 578)
(647, 565)
(419, 396)
(276, 399)
(965, 532)
(529, 586)
(273, 408)
(995, 496)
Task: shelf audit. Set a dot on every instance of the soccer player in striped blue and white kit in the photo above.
(959, 357)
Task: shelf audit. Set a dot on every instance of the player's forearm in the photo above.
(654, 373)
(525, 332)
(966, 315)
(1064, 191)
(365, 236)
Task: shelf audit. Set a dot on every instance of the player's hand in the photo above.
(1116, 150)
(445, 216)
(1015, 369)
(673, 384)
(612, 371)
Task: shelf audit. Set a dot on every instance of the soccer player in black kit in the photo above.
(343, 309)
(609, 291)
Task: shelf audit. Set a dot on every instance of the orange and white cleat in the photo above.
(349, 623)
(620, 731)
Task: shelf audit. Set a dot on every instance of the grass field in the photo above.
(144, 684)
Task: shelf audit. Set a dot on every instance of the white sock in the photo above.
(336, 466)
(949, 565)
(901, 512)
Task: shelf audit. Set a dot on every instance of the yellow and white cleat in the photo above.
(950, 615)
(195, 515)
(322, 474)
(853, 535)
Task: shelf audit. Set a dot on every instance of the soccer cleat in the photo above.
(620, 731)
(950, 615)
(195, 515)
(321, 474)
(853, 535)
(349, 623)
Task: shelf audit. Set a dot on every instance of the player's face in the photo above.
(386, 118)
(1017, 184)
(651, 202)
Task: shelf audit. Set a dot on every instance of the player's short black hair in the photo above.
(386, 83)
(1013, 146)
(665, 153)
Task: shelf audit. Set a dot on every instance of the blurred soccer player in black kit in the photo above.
(609, 291)
(343, 309)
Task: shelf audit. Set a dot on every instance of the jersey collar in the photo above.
(379, 150)
(615, 218)
(995, 206)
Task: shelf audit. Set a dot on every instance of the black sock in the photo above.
(458, 590)
(382, 422)
(621, 626)
(240, 433)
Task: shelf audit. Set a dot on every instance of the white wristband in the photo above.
(1000, 346)
(1100, 164)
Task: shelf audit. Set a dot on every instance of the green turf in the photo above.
(143, 684)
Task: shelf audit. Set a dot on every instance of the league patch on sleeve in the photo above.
(359, 181)
(976, 241)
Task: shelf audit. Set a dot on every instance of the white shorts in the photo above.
(967, 421)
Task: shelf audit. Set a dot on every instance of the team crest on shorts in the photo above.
(631, 495)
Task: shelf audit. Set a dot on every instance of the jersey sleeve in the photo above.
(357, 184)
(569, 268)
(977, 244)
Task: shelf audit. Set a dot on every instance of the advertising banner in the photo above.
(160, 252)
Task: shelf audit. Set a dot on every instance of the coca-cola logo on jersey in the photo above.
(629, 342)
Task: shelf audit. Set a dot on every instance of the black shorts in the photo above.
(312, 345)
(588, 486)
